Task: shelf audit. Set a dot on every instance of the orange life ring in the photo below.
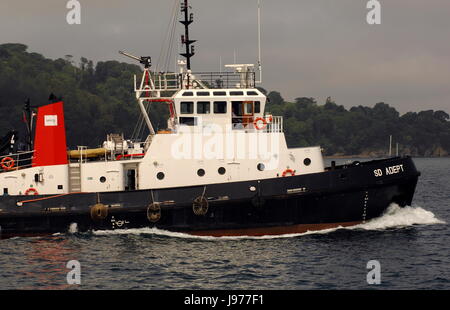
(255, 123)
(7, 163)
(290, 171)
(31, 189)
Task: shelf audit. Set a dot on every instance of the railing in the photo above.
(217, 80)
(17, 161)
(267, 123)
(165, 84)
(82, 149)
(147, 142)
(166, 81)
(276, 125)
(159, 85)
(83, 155)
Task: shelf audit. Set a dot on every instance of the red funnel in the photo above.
(50, 137)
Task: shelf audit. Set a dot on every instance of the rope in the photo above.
(153, 198)
(163, 60)
(168, 40)
(139, 129)
(50, 197)
(204, 191)
(171, 39)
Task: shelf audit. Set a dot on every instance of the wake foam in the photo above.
(394, 217)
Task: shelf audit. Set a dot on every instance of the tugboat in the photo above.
(221, 167)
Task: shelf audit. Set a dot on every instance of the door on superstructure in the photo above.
(243, 112)
(247, 112)
(131, 177)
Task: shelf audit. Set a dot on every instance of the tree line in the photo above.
(362, 130)
(99, 99)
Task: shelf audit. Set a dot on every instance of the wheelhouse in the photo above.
(236, 107)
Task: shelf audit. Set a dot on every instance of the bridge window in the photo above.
(220, 107)
(236, 107)
(189, 121)
(257, 107)
(203, 93)
(186, 107)
(203, 107)
(188, 93)
(248, 105)
(236, 93)
(220, 93)
(252, 93)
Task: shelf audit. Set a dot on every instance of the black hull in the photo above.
(340, 196)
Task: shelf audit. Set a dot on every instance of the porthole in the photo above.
(102, 179)
(200, 172)
(261, 167)
(160, 175)
(221, 170)
(307, 161)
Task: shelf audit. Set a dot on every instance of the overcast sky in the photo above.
(310, 48)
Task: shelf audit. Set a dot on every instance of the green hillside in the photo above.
(99, 99)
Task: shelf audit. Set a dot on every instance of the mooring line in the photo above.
(50, 197)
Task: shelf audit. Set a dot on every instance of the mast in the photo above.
(28, 115)
(188, 19)
(259, 43)
(145, 84)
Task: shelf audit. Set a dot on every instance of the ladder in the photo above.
(74, 177)
(75, 172)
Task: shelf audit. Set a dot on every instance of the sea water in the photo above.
(411, 246)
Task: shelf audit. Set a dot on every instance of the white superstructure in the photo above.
(218, 131)
(214, 136)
